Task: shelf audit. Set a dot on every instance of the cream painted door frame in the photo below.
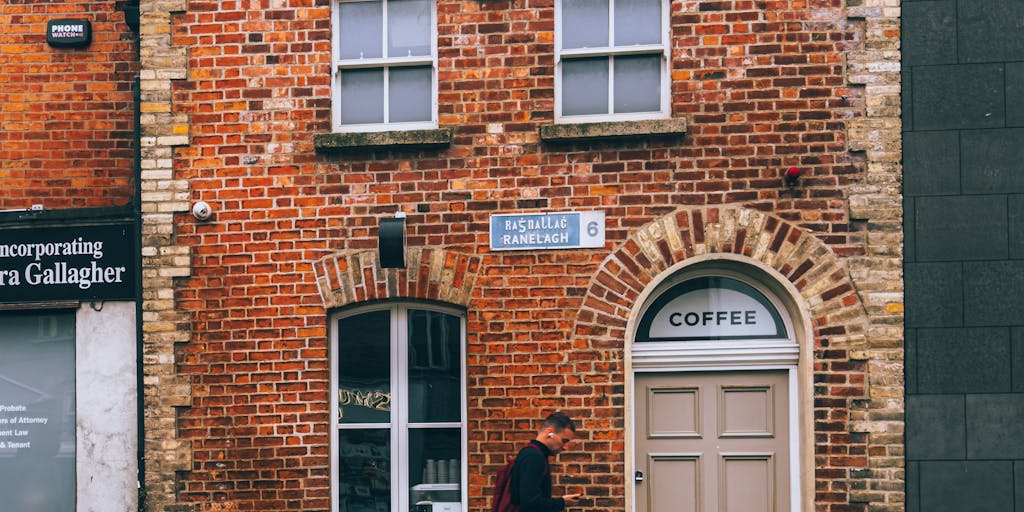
(784, 357)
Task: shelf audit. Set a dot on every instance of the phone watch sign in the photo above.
(67, 263)
(68, 32)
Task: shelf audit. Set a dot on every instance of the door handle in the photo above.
(638, 477)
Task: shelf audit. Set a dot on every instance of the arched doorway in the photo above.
(715, 357)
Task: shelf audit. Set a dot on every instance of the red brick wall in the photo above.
(762, 83)
(66, 115)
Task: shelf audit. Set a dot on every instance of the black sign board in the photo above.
(67, 263)
(68, 32)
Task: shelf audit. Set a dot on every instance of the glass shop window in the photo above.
(37, 411)
(399, 409)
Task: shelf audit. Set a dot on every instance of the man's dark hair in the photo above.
(560, 421)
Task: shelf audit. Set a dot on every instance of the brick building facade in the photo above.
(69, 401)
(760, 88)
(244, 315)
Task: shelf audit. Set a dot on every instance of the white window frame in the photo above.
(338, 65)
(399, 425)
(663, 49)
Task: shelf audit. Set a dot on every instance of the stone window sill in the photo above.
(613, 129)
(332, 142)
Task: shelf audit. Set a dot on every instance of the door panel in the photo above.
(713, 441)
(673, 412)
(747, 483)
(678, 479)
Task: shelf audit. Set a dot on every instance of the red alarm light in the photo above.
(792, 175)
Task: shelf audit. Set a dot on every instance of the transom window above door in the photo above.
(385, 65)
(612, 60)
(711, 308)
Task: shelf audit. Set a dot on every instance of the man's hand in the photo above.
(571, 499)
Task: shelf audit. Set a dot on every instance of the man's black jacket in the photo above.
(531, 480)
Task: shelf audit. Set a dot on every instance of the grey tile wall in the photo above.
(963, 360)
(934, 294)
(958, 228)
(994, 430)
(939, 431)
(963, 163)
(961, 486)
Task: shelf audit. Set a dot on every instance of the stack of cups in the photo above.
(431, 472)
(453, 471)
(442, 472)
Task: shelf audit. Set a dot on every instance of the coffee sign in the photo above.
(711, 308)
(67, 263)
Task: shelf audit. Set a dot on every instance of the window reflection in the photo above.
(364, 368)
(434, 367)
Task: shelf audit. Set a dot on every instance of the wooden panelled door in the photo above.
(712, 442)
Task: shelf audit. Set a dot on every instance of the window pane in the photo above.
(37, 388)
(364, 368)
(409, 94)
(637, 83)
(435, 368)
(408, 28)
(361, 30)
(637, 22)
(585, 86)
(362, 96)
(435, 465)
(364, 470)
(584, 23)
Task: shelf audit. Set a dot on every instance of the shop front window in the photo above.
(37, 411)
(399, 409)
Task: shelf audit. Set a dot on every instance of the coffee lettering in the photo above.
(692, 318)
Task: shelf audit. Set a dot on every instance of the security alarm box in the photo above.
(69, 32)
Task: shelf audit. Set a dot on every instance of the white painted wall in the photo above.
(106, 391)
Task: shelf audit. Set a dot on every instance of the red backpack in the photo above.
(502, 500)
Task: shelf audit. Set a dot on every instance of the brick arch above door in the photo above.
(430, 274)
(840, 411)
(805, 261)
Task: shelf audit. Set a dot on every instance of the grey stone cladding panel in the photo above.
(931, 163)
(935, 427)
(910, 361)
(1014, 94)
(1015, 220)
(913, 487)
(926, 38)
(1017, 346)
(990, 30)
(991, 161)
(1018, 471)
(907, 99)
(975, 360)
(934, 294)
(994, 426)
(960, 486)
(909, 244)
(993, 293)
(955, 228)
(958, 97)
